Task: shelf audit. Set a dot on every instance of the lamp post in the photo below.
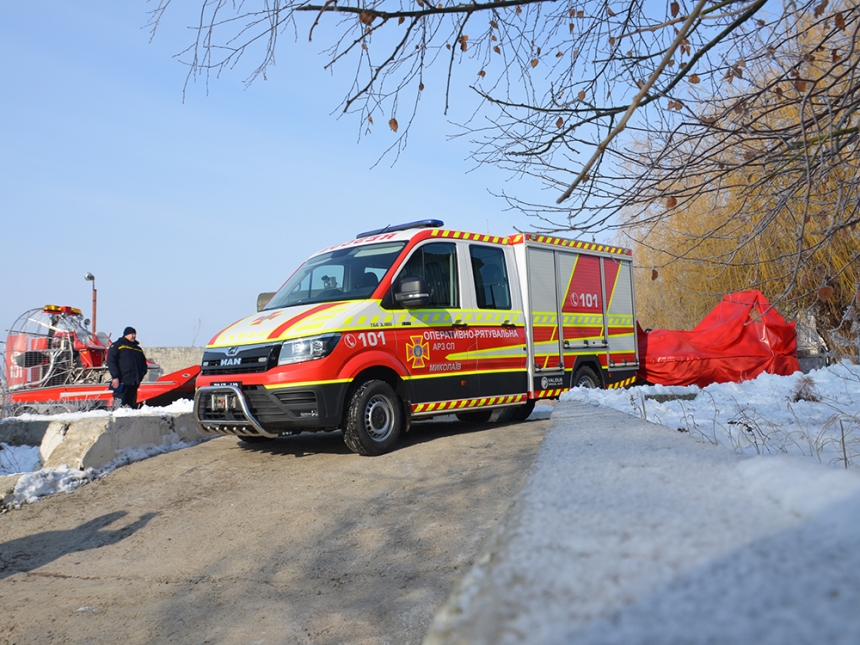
(89, 277)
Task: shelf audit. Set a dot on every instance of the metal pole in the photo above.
(94, 307)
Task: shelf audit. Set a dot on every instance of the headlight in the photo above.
(307, 349)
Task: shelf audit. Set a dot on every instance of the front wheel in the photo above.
(374, 419)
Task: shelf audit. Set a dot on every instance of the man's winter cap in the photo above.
(129, 330)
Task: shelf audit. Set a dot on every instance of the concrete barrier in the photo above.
(16, 432)
(171, 359)
(93, 442)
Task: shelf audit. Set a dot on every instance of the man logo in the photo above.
(232, 351)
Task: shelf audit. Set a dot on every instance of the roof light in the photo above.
(69, 311)
(422, 223)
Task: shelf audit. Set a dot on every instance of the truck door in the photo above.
(546, 341)
(619, 321)
(434, 342)
(582, 300)
(567, 296)
(497, 322)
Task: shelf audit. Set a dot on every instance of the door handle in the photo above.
(509, 325)
(459, 325)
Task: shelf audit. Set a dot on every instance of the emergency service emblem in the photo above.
(417, 351)
(264, 318)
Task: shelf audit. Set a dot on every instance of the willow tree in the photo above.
(753, 215)
(564, 89)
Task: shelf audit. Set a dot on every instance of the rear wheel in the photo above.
(374, 419)
(478, 416)
(523, 412)
(586, 377)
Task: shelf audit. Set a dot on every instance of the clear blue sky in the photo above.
(185, 211)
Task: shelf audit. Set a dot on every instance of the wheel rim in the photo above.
(379, 418)
(586, 381)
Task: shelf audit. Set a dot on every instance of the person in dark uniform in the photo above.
(127, 366)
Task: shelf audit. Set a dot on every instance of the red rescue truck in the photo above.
(415, 320)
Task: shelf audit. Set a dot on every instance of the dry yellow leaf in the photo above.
(534, 63)
(392, 123)
(366, 17)
(581, 95)
(559, 123)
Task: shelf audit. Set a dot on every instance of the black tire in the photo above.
(374, 419)
(523, 412)
(586, 377)
(478, 416)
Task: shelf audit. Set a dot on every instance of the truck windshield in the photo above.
(344, 274)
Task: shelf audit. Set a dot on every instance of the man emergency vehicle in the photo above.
(414, 320)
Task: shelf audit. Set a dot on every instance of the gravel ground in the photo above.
(292, 541)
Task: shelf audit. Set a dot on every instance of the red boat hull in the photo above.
(168, 388)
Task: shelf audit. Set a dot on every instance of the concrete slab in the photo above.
(628, 532)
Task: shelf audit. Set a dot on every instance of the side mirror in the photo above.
(263, 299)
(412, 293)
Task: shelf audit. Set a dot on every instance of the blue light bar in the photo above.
(423, 223)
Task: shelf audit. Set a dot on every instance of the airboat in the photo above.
(54, 364)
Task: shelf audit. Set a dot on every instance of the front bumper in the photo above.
(256, 411)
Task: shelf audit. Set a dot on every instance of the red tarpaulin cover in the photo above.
(738, 340)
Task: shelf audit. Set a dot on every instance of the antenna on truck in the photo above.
(422, 223)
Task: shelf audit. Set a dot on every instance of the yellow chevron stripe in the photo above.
(458, 404)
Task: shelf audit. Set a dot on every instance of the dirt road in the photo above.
(297, 541)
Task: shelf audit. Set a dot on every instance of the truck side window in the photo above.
(437, 264)
(491, 277)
